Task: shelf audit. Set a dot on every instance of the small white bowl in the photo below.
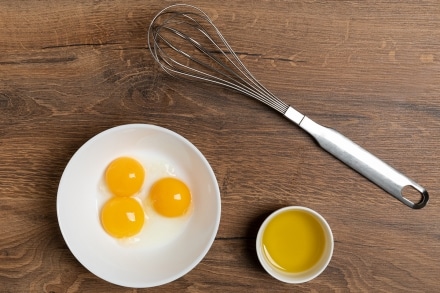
(300, 277)
(80, 198)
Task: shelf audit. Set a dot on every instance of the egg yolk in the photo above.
(122, 217)
(124, 176)
(170, 197)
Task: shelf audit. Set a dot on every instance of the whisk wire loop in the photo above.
(212, 58)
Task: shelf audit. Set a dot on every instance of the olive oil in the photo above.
(293, 241)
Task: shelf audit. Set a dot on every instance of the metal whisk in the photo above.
(185, 43)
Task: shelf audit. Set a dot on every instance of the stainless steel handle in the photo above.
(361, 160)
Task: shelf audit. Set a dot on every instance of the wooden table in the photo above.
(370, 69)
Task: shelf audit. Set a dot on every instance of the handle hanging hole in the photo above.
(411, 194)
(417, 198)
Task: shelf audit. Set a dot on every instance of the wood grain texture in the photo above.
(370, 69)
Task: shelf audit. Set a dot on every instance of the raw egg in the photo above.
(122, 217)
(124, 176)
(160, 203)
(170, 197)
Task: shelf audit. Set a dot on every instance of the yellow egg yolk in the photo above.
(122, 217)
(170, 197)
(124, 176)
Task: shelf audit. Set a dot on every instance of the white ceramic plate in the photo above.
(137, 264)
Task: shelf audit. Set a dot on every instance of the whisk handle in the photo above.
(364, 162)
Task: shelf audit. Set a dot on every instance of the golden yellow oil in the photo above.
(293, 241)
